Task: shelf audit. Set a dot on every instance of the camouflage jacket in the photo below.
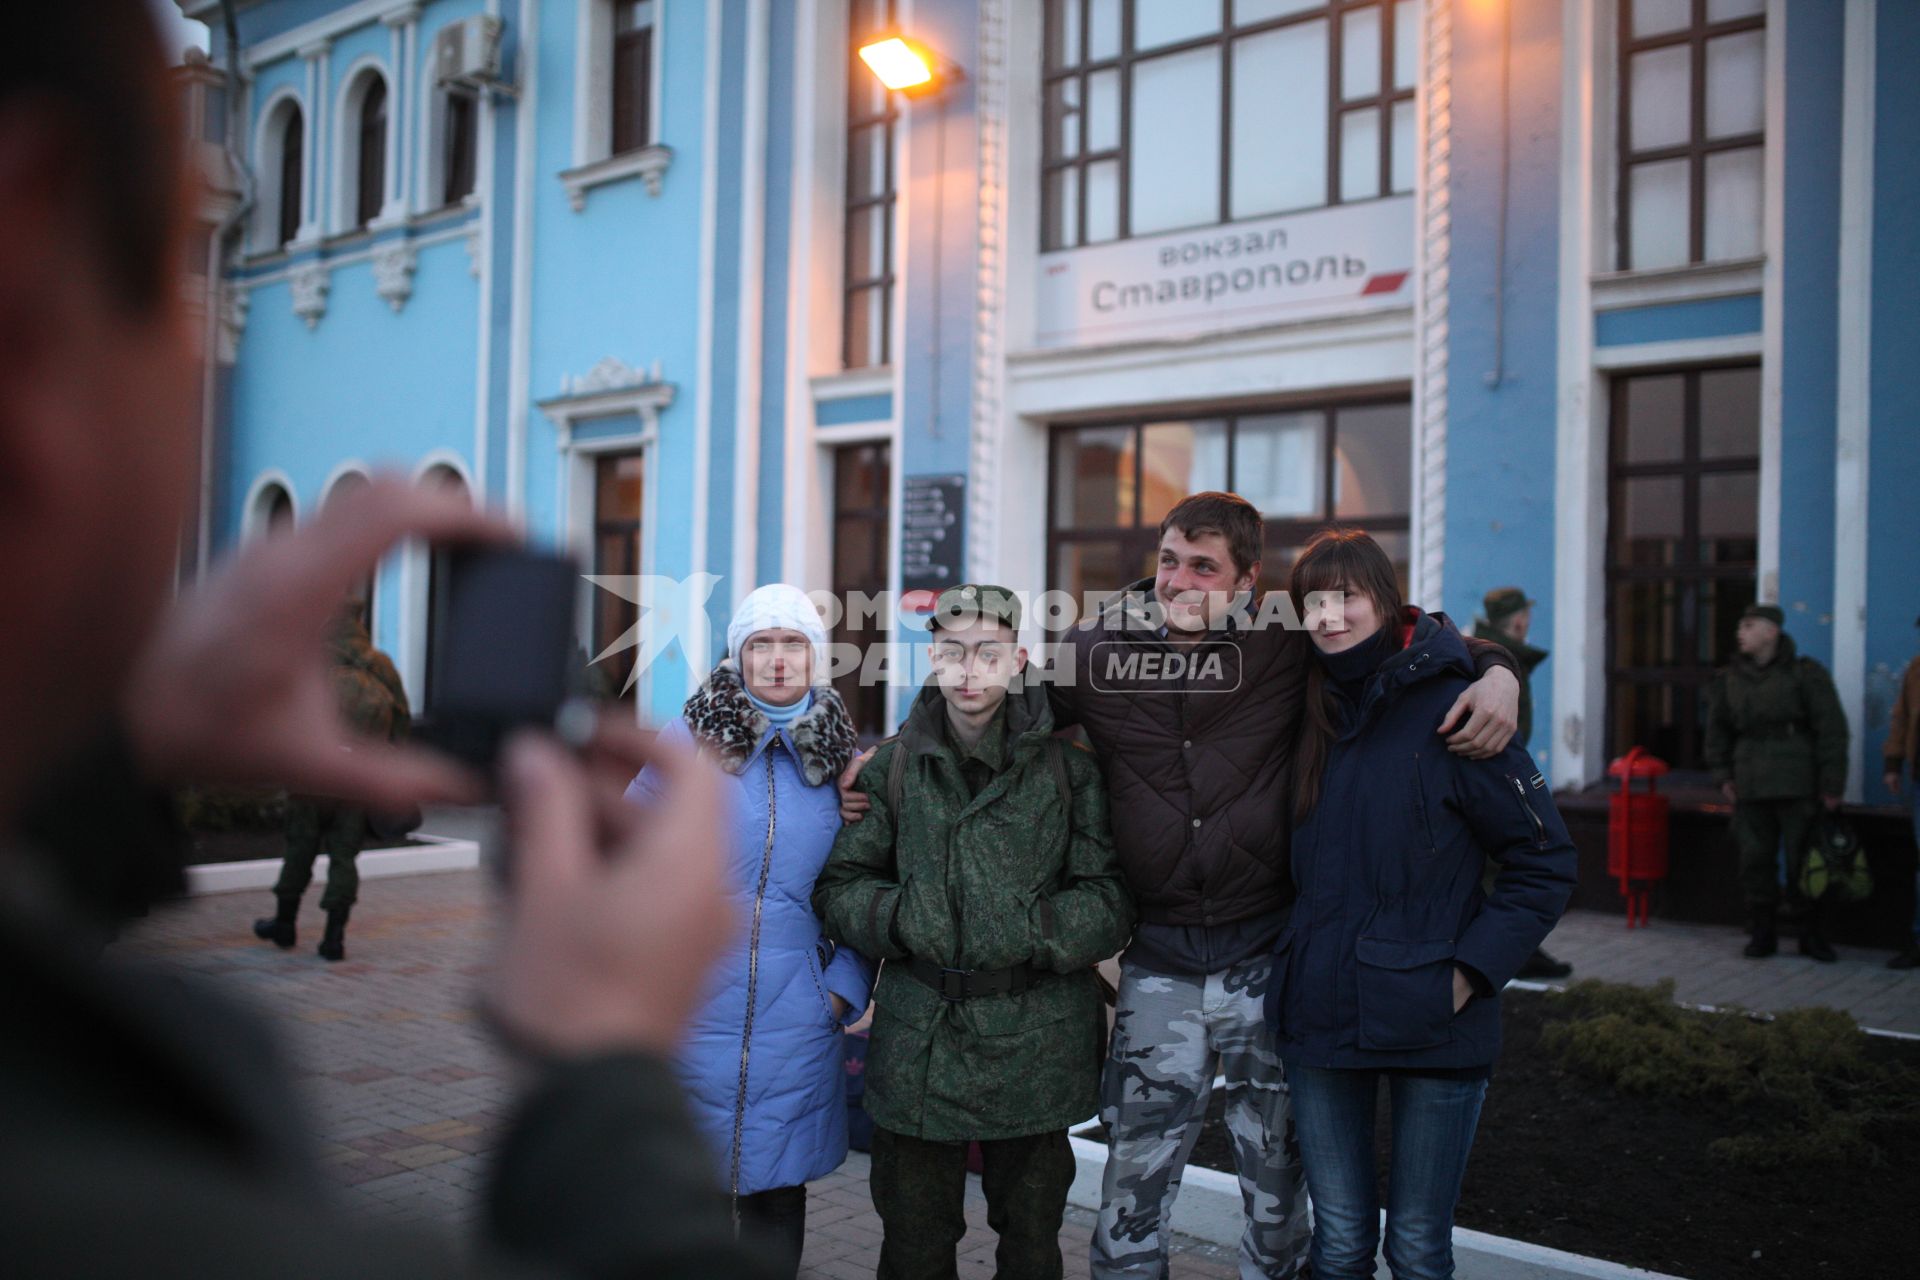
(372, 699)
(981, 882)
(1778, 731)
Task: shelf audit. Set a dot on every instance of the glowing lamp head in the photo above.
(902, 64)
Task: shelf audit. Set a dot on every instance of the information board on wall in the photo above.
(933, 528)
(1340, 260)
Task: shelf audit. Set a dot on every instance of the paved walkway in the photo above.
(1707, 968)
(409, 1096)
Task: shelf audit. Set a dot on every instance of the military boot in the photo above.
(333, 944)
(278, 928)
(1813, 935)
(1765, 941)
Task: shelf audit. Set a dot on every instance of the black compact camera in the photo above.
(499, 647)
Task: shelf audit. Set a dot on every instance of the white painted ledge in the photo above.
(434, 853)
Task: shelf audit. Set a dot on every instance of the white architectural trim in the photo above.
(1698, 282)
(483, 182)
(364, 253)
(854, 433)
(648, 164)
(416, 578)
(1433, 221)
(803, 533)
(1853, 417)
(646, 396)
(345, 156)
(1369, 350)
(853, 384)
(328, 27)
(749, 343)
(263, 235)
(317, 60)
(399, 155)
(704, 311)
(1772, 300)
(1576, 742)
(986, 447)
(1644, 355)
(252, 516)
(520, 340)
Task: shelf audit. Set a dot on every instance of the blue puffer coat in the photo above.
(770, 1093)
(1388, 868)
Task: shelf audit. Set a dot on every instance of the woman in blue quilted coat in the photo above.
(761, 1062)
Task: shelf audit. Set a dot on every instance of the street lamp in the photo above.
(907, 66)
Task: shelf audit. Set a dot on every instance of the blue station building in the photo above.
(1605, 299)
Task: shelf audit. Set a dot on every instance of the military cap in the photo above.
(960, 605)
(1502, 603)
(1770, 612)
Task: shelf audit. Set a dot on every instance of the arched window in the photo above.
(269, 511)
(348, 482)
(442, 477)
(292, 168)
(370, 191)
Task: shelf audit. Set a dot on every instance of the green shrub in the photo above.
(230, 809)
(1803, 1084)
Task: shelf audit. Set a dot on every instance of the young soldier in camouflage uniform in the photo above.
(1776, 739)
(374, 703)
(985, 876)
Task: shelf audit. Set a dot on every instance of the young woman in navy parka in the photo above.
(1392, 959)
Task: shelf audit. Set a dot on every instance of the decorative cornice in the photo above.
(393, 268)
(315, 51)
(1433, 237)
(989, 329)
(402, 16)
(648, 163)
(310, 283)
(611, 374)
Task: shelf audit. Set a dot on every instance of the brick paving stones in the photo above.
(409, 1097)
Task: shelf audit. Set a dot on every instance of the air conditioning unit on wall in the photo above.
(467, 52)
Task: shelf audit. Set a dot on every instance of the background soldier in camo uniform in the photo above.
(374, 703)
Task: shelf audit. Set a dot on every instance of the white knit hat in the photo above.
(778, 606)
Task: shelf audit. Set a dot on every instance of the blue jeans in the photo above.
(1433, 1124)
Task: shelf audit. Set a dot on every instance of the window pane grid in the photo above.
(1110, 482)
(867, 275)
(1652, 245)
(1084, 202)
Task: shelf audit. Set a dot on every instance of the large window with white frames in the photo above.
(872, 118)
(631, 82)
(1692, 131)
(1166, 114)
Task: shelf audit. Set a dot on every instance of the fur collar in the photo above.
(726, 724)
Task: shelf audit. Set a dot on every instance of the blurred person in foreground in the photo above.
(151, 1129)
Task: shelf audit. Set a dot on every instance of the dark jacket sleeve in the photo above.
(603, 1175)
(1487, 655)
(1089, 916)
(1718, 750)
(1506, 804)
(857, 893)
(1829, 722)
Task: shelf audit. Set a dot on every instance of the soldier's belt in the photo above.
(965, 984)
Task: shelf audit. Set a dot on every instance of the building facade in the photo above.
(1602, 298)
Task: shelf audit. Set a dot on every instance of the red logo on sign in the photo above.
(1388, 283)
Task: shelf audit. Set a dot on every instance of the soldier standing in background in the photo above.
(1777, 744)
(1508, 616)
(374, 703)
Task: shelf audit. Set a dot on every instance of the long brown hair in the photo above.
(1336, 559)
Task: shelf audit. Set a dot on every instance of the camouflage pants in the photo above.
(919, 1190)
(1170, 1036)
(317, 827)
